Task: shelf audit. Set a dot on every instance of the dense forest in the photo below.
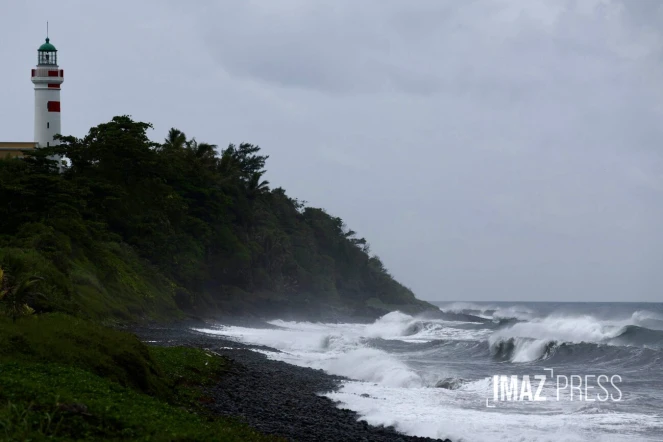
(131, 229)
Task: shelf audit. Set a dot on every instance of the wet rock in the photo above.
(450, 383)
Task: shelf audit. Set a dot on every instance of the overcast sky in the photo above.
(488, 150)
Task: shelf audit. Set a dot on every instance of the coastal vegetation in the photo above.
(131, 231)
(66, 379)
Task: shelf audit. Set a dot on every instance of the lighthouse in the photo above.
(47, 78)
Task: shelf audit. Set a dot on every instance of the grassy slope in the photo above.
(129, 288)
(108, 284)
(68, 379)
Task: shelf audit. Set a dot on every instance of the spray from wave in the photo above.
(543, 338)
(648, 319)
(515, 312)
(396, 361)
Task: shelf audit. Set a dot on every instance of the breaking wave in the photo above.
(490, 312)
(397, 325)
(577, 337)
(648, 319)
(429, 375)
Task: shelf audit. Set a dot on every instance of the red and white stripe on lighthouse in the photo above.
(47, 78)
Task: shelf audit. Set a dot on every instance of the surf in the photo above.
(428, 375)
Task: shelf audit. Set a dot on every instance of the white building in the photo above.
(47, 78)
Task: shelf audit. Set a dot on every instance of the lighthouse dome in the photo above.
(47, 47)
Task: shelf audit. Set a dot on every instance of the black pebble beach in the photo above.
(275, 397)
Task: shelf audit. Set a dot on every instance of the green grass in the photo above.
(65, 340)
(186, 370)
(47, 401)
(63, 378)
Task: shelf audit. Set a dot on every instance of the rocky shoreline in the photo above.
(274, 397)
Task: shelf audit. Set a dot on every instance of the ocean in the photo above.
(479, 372)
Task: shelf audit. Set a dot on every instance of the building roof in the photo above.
(47, 47)
(15, 149)
(17, 145)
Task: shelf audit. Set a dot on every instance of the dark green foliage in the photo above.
(51, 402)
(25, 264)
(187, 369)
(133, 229)
(17, 294)
(62, 339)
(67, 379)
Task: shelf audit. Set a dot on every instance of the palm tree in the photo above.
(255, 187)
(228, 165)
(176, 139)
(228, 168)
(206, 150)
(203, 151)
(15, 297)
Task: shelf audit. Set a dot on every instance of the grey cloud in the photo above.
(487, 149)
(417, 47)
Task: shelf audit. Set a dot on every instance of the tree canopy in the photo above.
(126, 218)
